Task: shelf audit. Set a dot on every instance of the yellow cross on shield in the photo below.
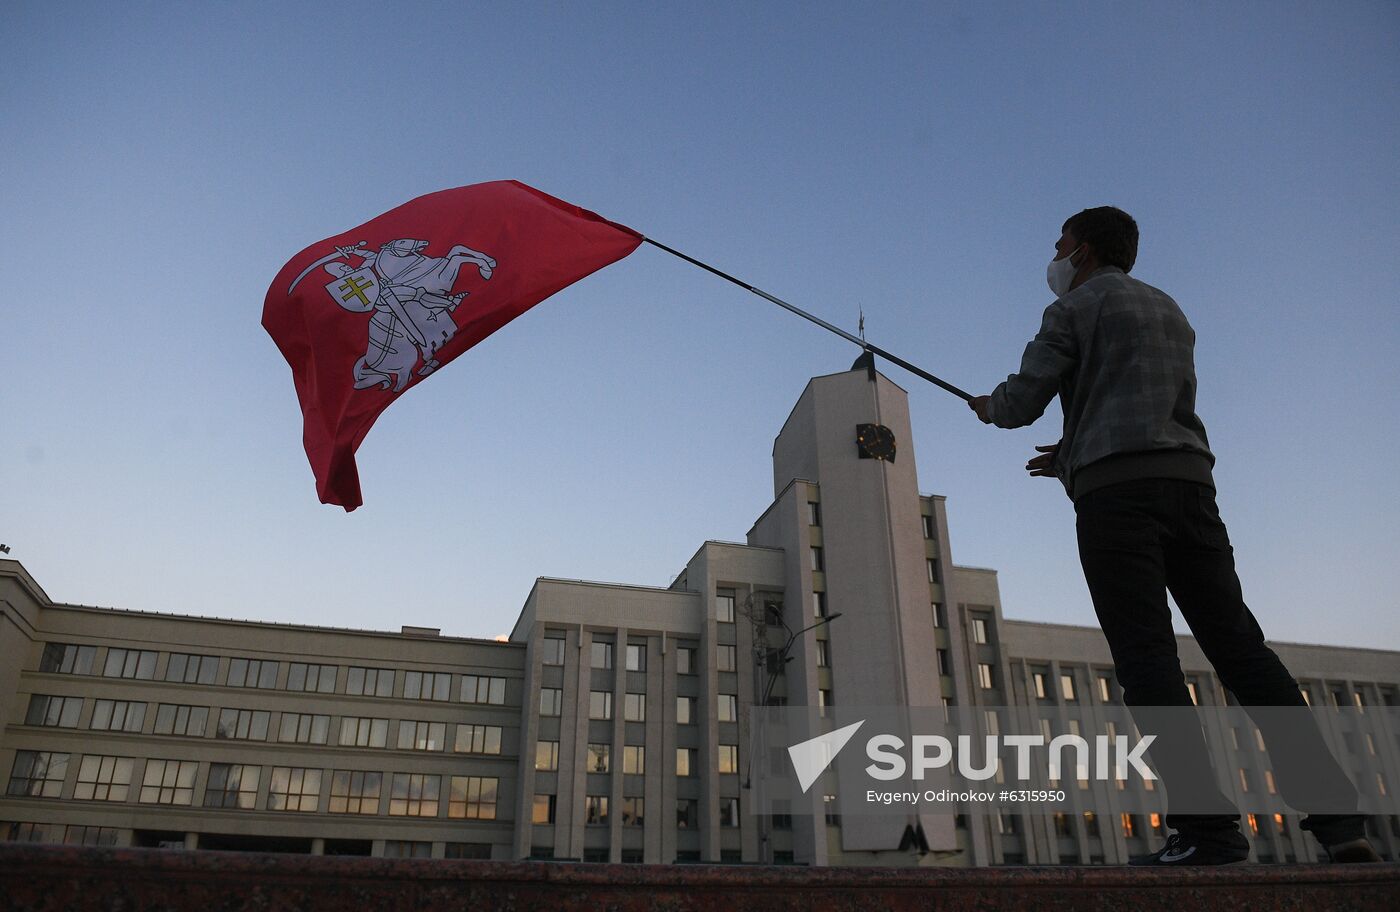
(356, 290)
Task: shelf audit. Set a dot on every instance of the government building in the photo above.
(613, 725)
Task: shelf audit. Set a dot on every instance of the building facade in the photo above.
(613, 723)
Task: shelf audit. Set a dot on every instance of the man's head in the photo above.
(1110, 235)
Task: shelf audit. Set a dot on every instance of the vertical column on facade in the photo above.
(529, 735)
(1115, 847)
(709, 721)
(569, 815)
(618, 750)
(659, 795)
(749, 823)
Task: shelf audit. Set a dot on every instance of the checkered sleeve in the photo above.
(1048, 358)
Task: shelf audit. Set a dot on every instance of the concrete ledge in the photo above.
(41, 877)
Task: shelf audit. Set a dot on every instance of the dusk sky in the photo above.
(160, 162)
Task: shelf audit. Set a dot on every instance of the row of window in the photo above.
(185, 668)
(634, 706)
(595, 811)
(255, 725)
(41, 774)
(599, 758)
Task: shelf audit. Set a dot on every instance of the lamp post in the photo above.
(775, 664)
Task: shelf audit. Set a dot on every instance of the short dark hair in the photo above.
(1111, 232)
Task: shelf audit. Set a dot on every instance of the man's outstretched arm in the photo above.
(1023, 396)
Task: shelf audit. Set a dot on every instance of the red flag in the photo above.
(365, 315)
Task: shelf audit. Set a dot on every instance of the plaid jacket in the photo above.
(1120, 355)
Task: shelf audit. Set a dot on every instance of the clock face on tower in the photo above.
(875, 441)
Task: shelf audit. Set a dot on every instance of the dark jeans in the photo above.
(1139, 539)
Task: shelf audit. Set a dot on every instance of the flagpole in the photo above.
(817, 320)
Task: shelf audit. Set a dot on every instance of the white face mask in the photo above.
(1060, 273)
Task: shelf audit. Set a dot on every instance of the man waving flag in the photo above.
(364, 316)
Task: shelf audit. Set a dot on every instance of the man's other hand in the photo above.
(1040, 465)
(979, 405)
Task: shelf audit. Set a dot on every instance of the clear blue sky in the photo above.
(160, 162)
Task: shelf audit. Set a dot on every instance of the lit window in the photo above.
(117, 715)
(1191, 689)
(729, 758)
(979, 630)
(314, 678)
(169, 782)
(483, 689)
(423, 736)
(232, 785)
(243, 724)
(362, 732)
(551, 701)
(191, 669)
(599, 704)
(1067, 686)
(354, 792)
(1042, 687)
(984, 676)
(172, 719)
(478, 739)
(427, 685)
(685, 761)
(547, 755)
(59, 712)
(634, 757)
(414, 795)
(685, 660)
(370, 682)
(247, 673)
(292, 788)
(543, 809)
(304, 728)
(472, 797)
(133, 663)
(725, 658)
(65, 658)
(1105, 689)
(103, 779)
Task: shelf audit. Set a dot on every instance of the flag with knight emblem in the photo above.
(364, 316)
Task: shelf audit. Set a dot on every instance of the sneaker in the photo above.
(1352, 851)
(1184, 849)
